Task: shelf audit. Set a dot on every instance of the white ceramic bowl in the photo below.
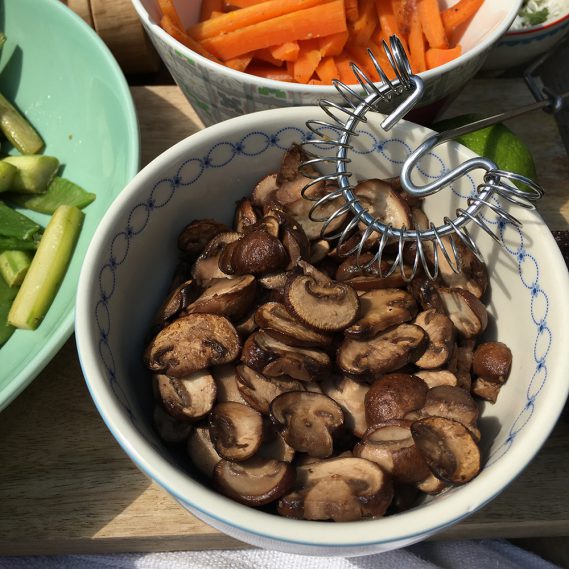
(129, 264)
(217, 92)
(523, 46)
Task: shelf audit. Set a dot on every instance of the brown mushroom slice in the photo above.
(271, 357)
(264, 190)
(225, 377)
(255, 482)
(195, 236)
(192, 343)
(328, 307)
(426, 294)
(393, 396)
(464, 352)
(206, 266)
(277, 449)
(191, 397)
(201, 450)
(258, 391)
(434, 378)
(485, 389)
(318, 251)
(228, 297)
(180, 298)
(307, 421)
(339, 489)
(170, 429)
(381, 309)
(467, 313)
(247, 325)
(236, 430)
(274, 281)
(350, 396)
(289, 169)
(440, 331)
(352, 270)
(383, 202)
(276, 320)
(432, 485)
(391, 445)
(492, 361)
(258, 253)
(245, 215)
(448, 447)
(387, 352)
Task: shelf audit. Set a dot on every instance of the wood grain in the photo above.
(67, 487)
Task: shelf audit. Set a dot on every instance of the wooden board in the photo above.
(66, 486)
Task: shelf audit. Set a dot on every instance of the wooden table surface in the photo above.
(66, 485)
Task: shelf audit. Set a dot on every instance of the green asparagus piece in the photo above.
(15, 224)
(14, 265)
(17, 129)
(47, 269)
(34, 173)
(59, 192)
(7, 295)
(13, 243)
(7, 173)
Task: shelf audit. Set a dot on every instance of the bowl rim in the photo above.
(55, 342)
(324, 90)
(539, 27)
(410, 526)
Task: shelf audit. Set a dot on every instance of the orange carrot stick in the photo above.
(327, 70)
(286, 52)
(308, 59)
(333, 44)
(239, 63)
(243, 3)
(417, 45)
(313, 22)
(270, 72)
(248, 16)
(436, 57)
(460, 13)
(181, 36)
(359, 55)
(388, 22)
(266, 56)
(352, 10)
(168, 9)
(215, 14)
(432, 23)
(402, 10)
(210, 6)
(362, 29)
(344, 70)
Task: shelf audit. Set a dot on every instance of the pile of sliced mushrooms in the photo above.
(299, 382)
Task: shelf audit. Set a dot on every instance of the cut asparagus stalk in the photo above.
(13, 243)
(7, 173)
(33, 174)
(14, 265)
(47, 269)
(15, 224)
(7, 295)
(17, 129)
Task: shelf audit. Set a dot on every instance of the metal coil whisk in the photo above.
(361, 223)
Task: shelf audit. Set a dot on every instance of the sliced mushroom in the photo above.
(274, 281)
(387, 352)
(245, 215)
(309, 270)
(391, 445)
(170, 429)
(487, 390)
(264, 190)
(492, 361)
(181, 297)
(201, 450)
(255, 482)
(258, 253)
(467, 313)
(464, 352)
(192, 343)
(277, 449)
(293, 158)
(426, 294)
(225, 377)
(273, 358)
(324, 306)
(381, 309)
(228, 297)
(307, 421)
(432, 485)
(259, 391)
(247, 325)
(393, 396)
(350, 396)
(191, 397)
(236, 430)
(351, 270)
(195, 236)
(291, 234)
(440, 331)
(276, 320)
(448, 447)
(434, 378)
(339, 489)
(318, 251)
(206, 266)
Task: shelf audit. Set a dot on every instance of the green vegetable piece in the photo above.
(59, 192)
(7, 173)
(17, 129)
(15, 224)
(534, 18)
(7, 295)
(13, 243)
(34, 173)
(47, 269)
(3, 39)
(14, 265)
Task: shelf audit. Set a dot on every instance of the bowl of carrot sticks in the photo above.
(232, 57)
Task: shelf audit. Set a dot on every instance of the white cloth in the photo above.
(483, 554)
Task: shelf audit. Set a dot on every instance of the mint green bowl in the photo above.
(65, 80)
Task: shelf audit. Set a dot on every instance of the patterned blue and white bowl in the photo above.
(126, 274)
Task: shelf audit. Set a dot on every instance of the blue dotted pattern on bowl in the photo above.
(190, 171)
